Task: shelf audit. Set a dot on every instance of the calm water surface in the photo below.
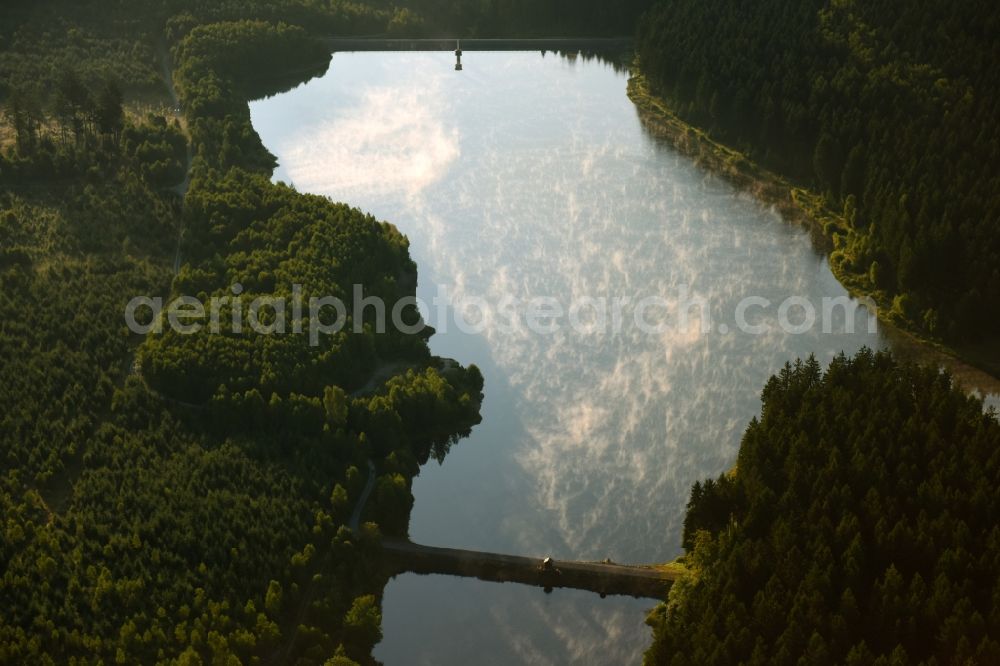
(526, 176)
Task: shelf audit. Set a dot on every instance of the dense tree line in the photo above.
(124, 41)
(185, 501)
(220, 66)
(860, 526)
(84, 131)
(886, 107)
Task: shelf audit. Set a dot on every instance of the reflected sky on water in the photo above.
(526, 176)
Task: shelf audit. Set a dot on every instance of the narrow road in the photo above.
(360, 506)
(181, 190)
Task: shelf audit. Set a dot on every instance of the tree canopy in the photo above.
(888, 108)
(185, 499)
(859, 526)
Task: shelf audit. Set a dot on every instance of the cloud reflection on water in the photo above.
(533, 179)
(393, 141)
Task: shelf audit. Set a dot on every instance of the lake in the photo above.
(527, 185)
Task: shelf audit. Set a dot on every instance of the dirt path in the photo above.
(365, 494)
(181, 188)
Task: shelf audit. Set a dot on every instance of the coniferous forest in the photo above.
(859, 523)
(186, 498)
(859, 526)
(886, 108)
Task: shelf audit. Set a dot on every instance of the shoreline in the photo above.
(800, 206)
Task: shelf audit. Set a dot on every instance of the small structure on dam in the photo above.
(458, 56)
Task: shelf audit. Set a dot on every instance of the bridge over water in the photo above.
(404, 556)
(601, 577)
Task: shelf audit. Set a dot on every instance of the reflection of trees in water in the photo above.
(618, 59)
(441, 447)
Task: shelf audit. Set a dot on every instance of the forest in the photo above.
(859, 526)
(185, 500)
(887, 108)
